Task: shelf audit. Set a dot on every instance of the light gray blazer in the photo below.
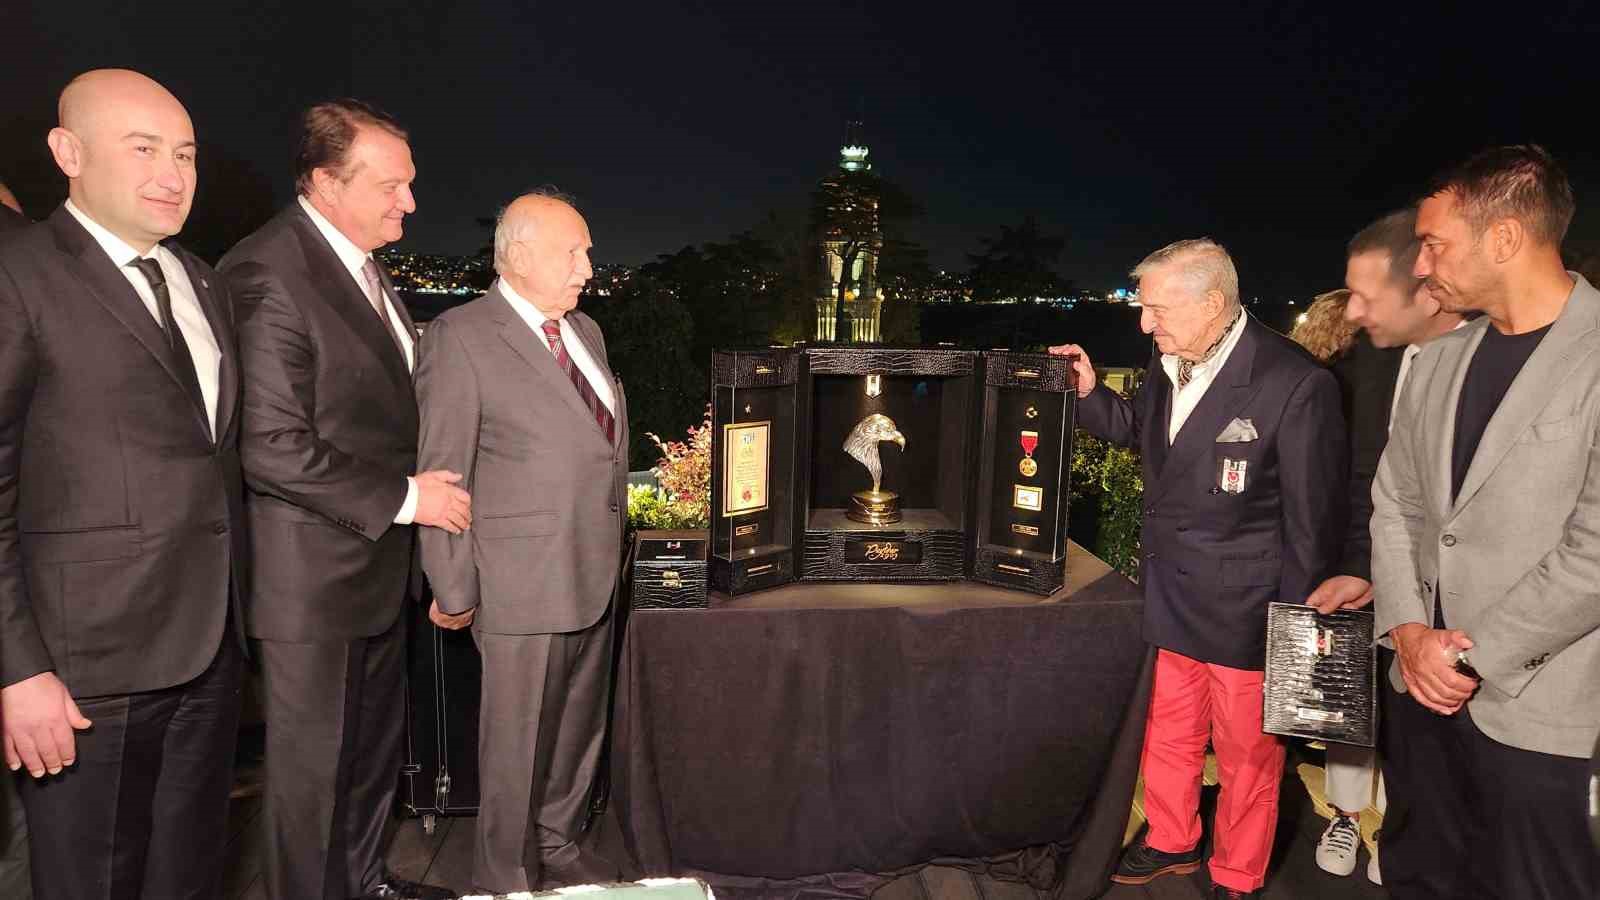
(1515, 559)
(549, 492)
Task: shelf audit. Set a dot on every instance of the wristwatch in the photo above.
(1464, 666)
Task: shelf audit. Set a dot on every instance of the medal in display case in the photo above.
(1024, 471)
(753, 449)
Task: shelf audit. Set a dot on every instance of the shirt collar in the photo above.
(1414, 349)
(353, 257)
(1169, 361)
(523, 305)
(121, 254)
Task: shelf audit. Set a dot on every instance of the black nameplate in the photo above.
(860, 550)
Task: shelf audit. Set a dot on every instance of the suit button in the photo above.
(1150, 510)
(1448, 540)
(613, 507)
(220, 528)
(1150, 555)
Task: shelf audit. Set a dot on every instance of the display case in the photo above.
(869, 463)
(1024, 471)
(754, 440)
(885, 482)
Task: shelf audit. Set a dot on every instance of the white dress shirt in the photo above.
(1186, 398)
(569, 338)
(1410, 354)
(186, 312)
(354, 260)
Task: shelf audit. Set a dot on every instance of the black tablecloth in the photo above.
(818, 739)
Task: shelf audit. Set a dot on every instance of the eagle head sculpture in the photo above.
(863, 443)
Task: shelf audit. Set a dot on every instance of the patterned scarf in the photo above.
(1186, 366)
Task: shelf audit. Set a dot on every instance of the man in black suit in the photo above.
(1398, 316)
(121, 512)
(330, 447)
(11, 217)
(1243, 445)
(14, 879)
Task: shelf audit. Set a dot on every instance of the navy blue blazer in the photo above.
(1217, 551)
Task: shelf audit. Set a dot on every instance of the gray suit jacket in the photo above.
(549, 492)
(1515, 559)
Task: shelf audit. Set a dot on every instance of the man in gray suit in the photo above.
(514, 390)
(1486, 550)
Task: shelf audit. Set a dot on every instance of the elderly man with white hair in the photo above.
(515, 391)
(1245, 457)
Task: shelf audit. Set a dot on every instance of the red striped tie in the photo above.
(608, 422)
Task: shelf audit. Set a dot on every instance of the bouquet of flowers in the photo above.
(683, 500)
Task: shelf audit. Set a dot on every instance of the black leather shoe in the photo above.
(1218, 892)
(392, 888)
(1142, 864)
(574, 865)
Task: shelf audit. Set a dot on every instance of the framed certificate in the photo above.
(745, 466)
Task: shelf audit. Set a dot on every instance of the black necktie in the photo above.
(151, 270)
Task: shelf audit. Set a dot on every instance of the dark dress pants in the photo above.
(15, 881)
(541, 725)
(1470, 817)
(144, 811)
(335, 716)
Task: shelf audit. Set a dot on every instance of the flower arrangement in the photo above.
(684, 499)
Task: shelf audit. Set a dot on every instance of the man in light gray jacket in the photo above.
(516, 393)
(1486, 550)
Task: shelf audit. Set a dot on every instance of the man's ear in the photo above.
(1506, 238)
(67, 148)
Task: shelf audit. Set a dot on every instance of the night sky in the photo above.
(1278, 128)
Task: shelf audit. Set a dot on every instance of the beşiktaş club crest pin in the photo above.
(1233, 474)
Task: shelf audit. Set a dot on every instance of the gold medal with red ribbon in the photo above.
(1027, 466)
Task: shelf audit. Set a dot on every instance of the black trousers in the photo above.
(1470, 817)
(335, 716)
(144, 811)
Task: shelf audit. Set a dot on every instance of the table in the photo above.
(828, 737)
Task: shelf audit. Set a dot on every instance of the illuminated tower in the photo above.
(849, 236)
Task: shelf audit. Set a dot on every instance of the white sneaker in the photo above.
(1373, 874)
(1336, 849)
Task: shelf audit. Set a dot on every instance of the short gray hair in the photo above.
(507, 233)
(1202, 263)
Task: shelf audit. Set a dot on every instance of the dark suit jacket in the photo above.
(121, 521)
(329, 436)
(1366, 378)
(11, 220)
(1214, 559)
(550, 491)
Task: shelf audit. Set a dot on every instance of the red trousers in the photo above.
(1190, 702)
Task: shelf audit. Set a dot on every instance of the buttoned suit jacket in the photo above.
(329, 436)
(1514, 558)
(549, 490)
(1214, 559)
(121, 517)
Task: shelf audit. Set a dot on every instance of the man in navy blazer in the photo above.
(1245, 469)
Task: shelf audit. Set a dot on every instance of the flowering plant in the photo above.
(684, 499)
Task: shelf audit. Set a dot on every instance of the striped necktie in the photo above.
(607, 422)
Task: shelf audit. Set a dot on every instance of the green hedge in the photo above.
(1110, 480)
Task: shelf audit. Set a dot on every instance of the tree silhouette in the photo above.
(1017, 265)
(850, 211)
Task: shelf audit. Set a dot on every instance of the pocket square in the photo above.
(1237, 432)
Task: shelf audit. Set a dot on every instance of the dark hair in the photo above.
(1522, 181)
(328, 130)
(1394, 234)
